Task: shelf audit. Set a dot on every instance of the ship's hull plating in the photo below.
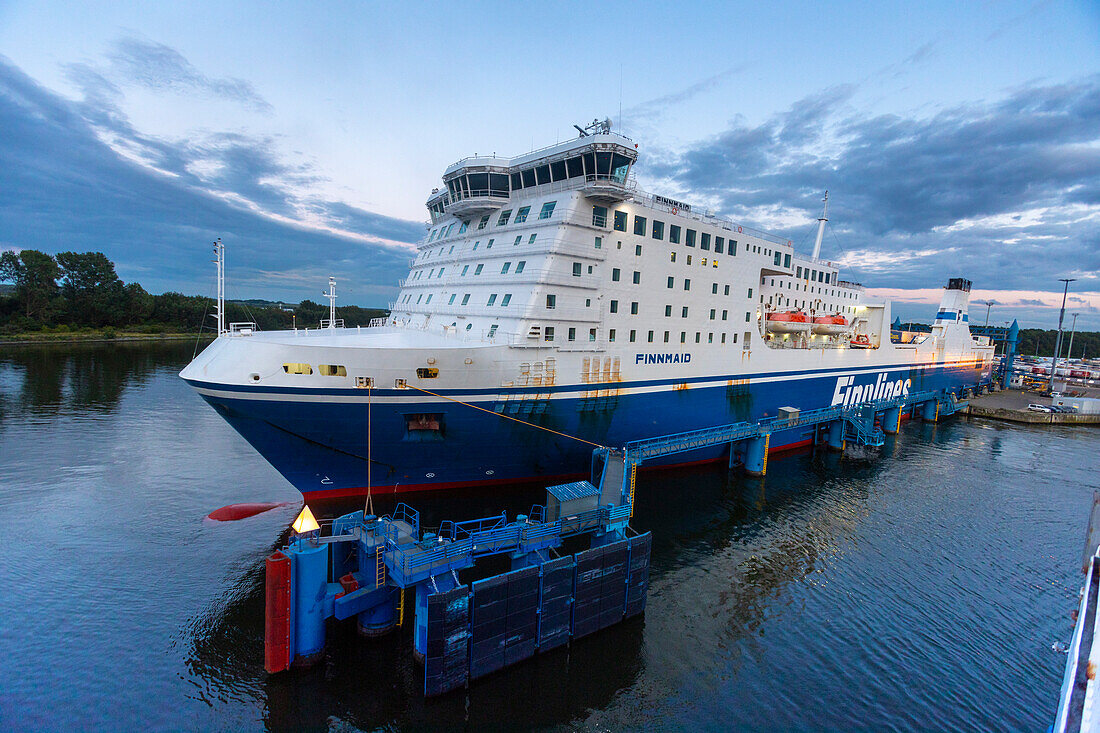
(318, 438)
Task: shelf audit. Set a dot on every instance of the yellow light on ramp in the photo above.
(305, 522)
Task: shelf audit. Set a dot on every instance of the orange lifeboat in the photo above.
(861, 342)
(788, 322)
(830, 325)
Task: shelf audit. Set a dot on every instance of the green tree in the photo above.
(94, 292)
(35, 276)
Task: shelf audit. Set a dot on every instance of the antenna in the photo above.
(219, 259)
(331, 295)
(821, 226)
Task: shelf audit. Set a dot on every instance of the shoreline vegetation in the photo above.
(78, 297)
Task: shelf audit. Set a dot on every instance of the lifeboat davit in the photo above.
(788, 322)
(830, 325)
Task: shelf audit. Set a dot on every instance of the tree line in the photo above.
(81, 290)
(1041, 342)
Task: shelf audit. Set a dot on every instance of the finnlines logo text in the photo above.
(848, 393)
(662, 358)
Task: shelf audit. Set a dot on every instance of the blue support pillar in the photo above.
(836, 436)
(1010, 352)
(931, 411)
(756, 455)
(380, 619)
(443, 583)
(310, 566)
(891, 421)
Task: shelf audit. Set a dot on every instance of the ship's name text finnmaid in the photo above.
(671, 202)
(662, 358)
(847, 393)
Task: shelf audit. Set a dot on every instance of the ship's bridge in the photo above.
(597, 163)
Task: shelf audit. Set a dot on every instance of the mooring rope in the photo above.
(506, 417)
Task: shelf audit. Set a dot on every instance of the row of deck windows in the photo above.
(503, 218)
(612, 334)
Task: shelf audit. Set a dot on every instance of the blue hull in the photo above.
(321, 446)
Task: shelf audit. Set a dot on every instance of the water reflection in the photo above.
(82, 377)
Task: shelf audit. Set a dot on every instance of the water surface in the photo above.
(919, 586)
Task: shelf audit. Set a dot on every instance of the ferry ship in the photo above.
(552, 305)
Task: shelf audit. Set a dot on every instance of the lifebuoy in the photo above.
(739, 230)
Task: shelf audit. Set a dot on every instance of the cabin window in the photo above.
(577, 267)
(637, 250)
(637, 278)
(548, 334)
(614, 308)
(634, 308)
(671, 280)
(658, 229)
(591, 334)
(684, 312)
(639, 226)
(571, 335)
(615, 274)
(714, 288)
(666, 336)
(477, 270)
(599, 217)
(465, 299)
(672, 256)
(492, 299)
(668, 311)
(724, 314)
(633, 335)
(547, 209)
(689, 239)
(718, 245)
(704, 241)
(462, 229)
(490, 244)
(427, 373)
(733, 247)
(748, 316)
(687, 284)
(506, 300)
(429, 299)
(519, 238)
(521, 215)
(611, 335)
(786, 260)
(778, 259)
(551, 301)
(296, 368)
(484, 220)
(650, 338)
(505, 267)
(674, 233)
(424, 426)
(465, 269)
(452, 300)
(520, 265)
(620, 221)
(713, 313)
(531, 239)
(599, 243)
(493, 330)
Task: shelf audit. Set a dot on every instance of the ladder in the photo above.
(379, 567)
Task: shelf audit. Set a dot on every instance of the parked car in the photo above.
(1039, 408)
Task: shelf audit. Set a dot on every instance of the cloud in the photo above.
(76, 175)
(1003, 192)
(653, 108)
(162, 68)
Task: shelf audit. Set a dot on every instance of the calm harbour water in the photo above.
(915, 587)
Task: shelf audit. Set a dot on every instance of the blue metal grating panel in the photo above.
(446, 659)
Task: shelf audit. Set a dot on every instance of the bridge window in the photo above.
(557, 170)
(547, 209)
(296, 368)
(542, 174)
(574, 167)
(529, 178)
(599, 217)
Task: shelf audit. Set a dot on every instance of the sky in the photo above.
(955, 139)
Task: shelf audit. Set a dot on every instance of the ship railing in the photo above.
(477, 193)
(332, 323)
(378, 322)
(578, 141)
(244, 328)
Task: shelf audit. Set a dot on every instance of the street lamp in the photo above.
(1072, 330)
(1058, 343)
(988, 304)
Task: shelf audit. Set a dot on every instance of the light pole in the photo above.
(1072, 330)
(1058, 343)
(988, 304)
